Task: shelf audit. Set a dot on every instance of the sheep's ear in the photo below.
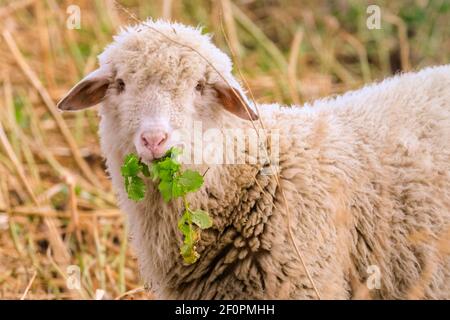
(233, 101)
(86, 93)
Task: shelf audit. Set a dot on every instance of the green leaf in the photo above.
(184, 228)
(136, 188)
(145, 170)
(169, 164)
(201, 219)
(190, 180)
(174, 153)
(165, 174)
(165, 187)
(177, 189)
(189, 254)
(131, 166)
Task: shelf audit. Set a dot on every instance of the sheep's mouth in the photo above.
(149, 160)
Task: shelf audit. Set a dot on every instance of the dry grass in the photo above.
(56, 204)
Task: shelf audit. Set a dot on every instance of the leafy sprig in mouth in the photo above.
(173, 183)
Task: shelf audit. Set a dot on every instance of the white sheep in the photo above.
(364, 178)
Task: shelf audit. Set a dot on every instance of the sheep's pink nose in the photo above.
(154, 140)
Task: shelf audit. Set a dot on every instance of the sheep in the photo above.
(363, 179)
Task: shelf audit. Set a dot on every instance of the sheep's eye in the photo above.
(120, 85)
(199, 87)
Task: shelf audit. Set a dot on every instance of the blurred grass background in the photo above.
(56, 204)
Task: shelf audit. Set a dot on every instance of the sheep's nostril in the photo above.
(144, 141)
(163, 139)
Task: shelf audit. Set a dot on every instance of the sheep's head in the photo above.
(158, 78)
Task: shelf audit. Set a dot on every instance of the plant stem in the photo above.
(189, 218)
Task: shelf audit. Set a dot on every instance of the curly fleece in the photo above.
(366, 176)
